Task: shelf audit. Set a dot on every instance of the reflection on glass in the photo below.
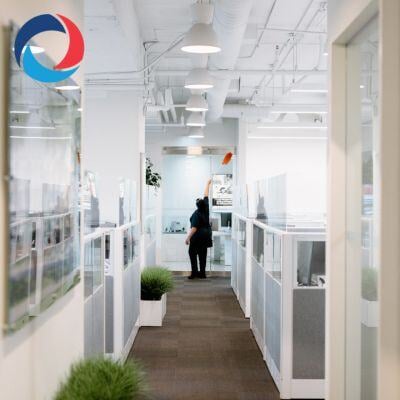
(362, 151)
(258, 244)
(241, 232)
(43, 166)
(93, 268)
(273, 258)
(310, 263)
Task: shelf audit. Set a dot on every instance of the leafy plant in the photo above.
(102, 379)
(155, 282)
(152, 178)
(369, 288)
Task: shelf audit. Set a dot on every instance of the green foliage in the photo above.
(152, 178)
(369, 284)
(155, 282)
(102, 379)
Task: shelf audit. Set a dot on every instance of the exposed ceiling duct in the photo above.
(230, 22)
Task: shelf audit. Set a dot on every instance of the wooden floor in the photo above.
(205, 349)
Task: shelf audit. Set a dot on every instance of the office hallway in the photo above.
(205, 349)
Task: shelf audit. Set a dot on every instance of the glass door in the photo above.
(362, 269)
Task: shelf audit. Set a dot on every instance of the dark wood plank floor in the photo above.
(205, 349)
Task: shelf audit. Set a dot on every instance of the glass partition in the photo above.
(273, 257)
(362, 195)
(93, 267)
(310, 263)
(258, 244)
(241, 232)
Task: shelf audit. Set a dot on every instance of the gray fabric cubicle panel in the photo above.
(257, 297)
(273, 319)
(309, 333)
(109, 307)
(241, 273)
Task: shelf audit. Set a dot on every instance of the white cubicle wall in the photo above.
(241, 259)
(287, 306)
(112, 290)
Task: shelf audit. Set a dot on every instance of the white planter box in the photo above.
(369, 313)
(152, 313)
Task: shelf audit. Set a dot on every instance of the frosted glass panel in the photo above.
(362, 269)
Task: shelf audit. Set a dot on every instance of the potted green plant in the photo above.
(152, 178)
(155, 283)
(101, 378)
(369, 294)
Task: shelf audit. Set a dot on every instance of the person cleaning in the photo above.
(199, 238)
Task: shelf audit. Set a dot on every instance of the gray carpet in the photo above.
(205, 349)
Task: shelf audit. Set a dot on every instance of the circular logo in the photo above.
(44, 23)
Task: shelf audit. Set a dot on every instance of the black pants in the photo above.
(195, 251)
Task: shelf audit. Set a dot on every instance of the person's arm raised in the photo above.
(207, 189)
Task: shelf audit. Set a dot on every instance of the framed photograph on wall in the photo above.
(222, 190)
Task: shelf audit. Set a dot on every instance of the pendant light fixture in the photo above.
(201, 38)
(199, 78)
(196, 103)
(196, 119)
(196, 133)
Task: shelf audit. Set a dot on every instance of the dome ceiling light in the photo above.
(196, 119)
(197, 103)
(199, 78)
(201, 39)
(196, 133)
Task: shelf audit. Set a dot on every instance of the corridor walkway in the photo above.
(205, 350)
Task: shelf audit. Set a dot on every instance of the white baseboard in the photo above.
(128, 346)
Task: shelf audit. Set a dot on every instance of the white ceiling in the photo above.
(162, 21)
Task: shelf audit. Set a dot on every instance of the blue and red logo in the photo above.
(44, 23)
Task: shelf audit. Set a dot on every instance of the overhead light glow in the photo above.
(291, 127)
(362, 86)
(196, 120)
(288, 137)
(23, 112)
(297, 112)
(43, 137)
(32, 127)
(68, 87)
(309, 90)
(196, 103)
(199, 78)
(80, 109)
(201, 39)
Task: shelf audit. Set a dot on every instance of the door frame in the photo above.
(388, 203)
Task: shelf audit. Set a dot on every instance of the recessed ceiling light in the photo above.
(19, 112)
(309, 90)
(362, 86)
(80, 109)
(32, 127)
(196, 103)
(288, 137)
(68, 87)
(201, 39)
(196, 119)
(199, 78)
(326, 53)
(291, 127)
(297, 112)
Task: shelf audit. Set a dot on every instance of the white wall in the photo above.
(113, 126)
(304, 162)
(36, 358)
